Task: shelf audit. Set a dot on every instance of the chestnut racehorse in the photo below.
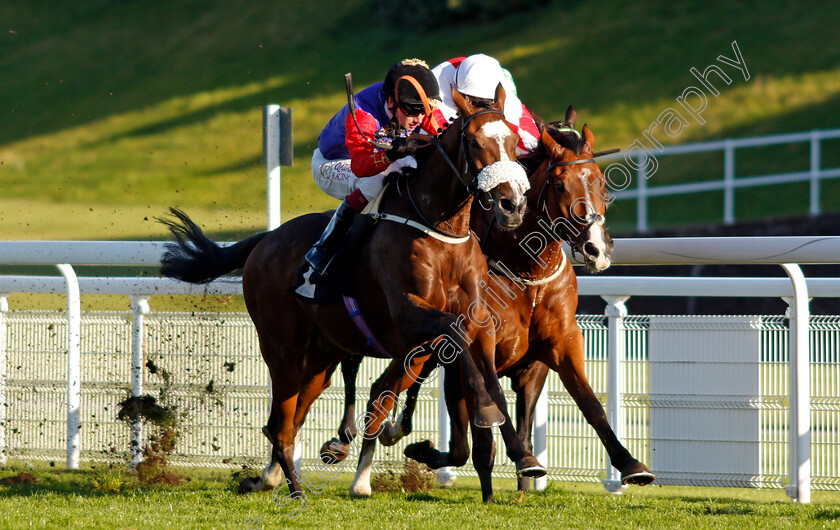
(534, 293)
(414, 282)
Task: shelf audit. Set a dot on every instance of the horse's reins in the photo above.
(473, 171)
(471, 188)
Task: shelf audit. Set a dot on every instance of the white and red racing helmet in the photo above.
(478, 76)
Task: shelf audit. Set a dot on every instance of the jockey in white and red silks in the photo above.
(477, 77)
(345, 164)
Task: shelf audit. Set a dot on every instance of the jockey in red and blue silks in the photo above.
(477, 77)
(346, 166)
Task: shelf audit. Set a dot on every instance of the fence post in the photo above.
(615, 312)
(4, 308)
(799, 375)
(74, 363)
(446, 475)
(729, 182)
(277, 151)
(139, 308)
(541, 436)
(271, 153)
(815, 173)
(641, 201)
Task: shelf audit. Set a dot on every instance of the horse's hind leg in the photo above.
(392, 432)
(286, 381)
(383, 396)
(527, 383)
(459, 420)
(336, 449)
(281, 432)
(568, 362)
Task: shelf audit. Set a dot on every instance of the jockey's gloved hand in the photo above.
(399, 149)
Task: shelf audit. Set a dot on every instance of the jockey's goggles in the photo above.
(412, 109)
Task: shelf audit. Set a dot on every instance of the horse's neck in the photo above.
(531, 250)
(442, 198)
(439, 195)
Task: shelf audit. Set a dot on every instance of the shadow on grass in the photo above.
(828, 514)
(59, 482)
(106, 482)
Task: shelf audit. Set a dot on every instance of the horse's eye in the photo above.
(558, 187)
(472, 142)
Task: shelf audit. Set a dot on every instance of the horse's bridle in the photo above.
(542, 199)
(469, 166)
(468, 163)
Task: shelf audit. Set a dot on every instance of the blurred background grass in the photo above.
(112, 111)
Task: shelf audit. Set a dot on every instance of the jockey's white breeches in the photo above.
(335, 178)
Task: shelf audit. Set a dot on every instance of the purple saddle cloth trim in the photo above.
(355, 313)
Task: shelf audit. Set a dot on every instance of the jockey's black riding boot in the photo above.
(322, 252)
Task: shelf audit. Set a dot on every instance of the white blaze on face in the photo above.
(499, 131)
(505, 169)
(596, 237)
(596, 232)
(590, 206)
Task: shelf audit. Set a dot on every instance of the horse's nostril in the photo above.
(590, 250)
(506, 205)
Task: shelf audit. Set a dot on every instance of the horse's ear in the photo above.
(464, 107)
(589, 138)
(551, 146)
(571, 116)
(499, 99)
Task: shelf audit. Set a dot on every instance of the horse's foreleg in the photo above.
(349, 372)
(570, 367)
(526, 464)
(483, 457)
(527, 383)
(383, 396)
(449, 336)
(336, 449)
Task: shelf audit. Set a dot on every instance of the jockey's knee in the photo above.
(371, 186)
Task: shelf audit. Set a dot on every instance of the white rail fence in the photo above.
(219, 378)
(641, 164)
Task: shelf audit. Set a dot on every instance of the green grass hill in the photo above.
(111, 111)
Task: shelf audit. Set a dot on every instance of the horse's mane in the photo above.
(564, 133)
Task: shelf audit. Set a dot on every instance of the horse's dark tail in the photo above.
(194, 258)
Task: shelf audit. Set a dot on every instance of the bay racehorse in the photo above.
(534, 292)
(414, 282)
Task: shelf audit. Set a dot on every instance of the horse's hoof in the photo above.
(390, 434)
(638, 474)
(488, 417)
(419, 451)
(360, 491)
(529, 467)
(638, 479)
(334, 451)
(249, 485)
